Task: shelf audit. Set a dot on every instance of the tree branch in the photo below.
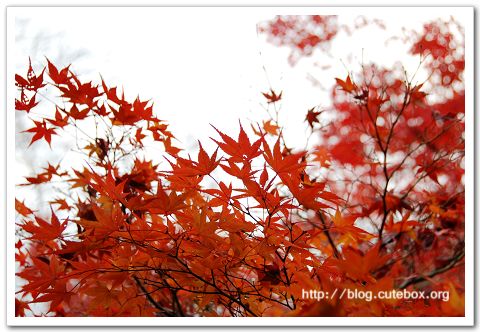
(327, 233)
(433, 273)
(150, 299)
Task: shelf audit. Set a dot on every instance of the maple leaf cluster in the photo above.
(302, 33)
(242, 230)
(395, 149)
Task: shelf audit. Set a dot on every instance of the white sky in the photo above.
(201, 67)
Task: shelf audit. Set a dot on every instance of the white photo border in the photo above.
(468, 320)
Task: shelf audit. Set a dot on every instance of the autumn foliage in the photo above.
(242, 229)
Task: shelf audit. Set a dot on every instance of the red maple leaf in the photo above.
(41, 131)
(241, 149)
(25, 103)
(59, 77)
(32, 82)
(312, 116)
(272, 96)
(347, 85)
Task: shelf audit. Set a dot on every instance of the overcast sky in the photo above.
(198, 65)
